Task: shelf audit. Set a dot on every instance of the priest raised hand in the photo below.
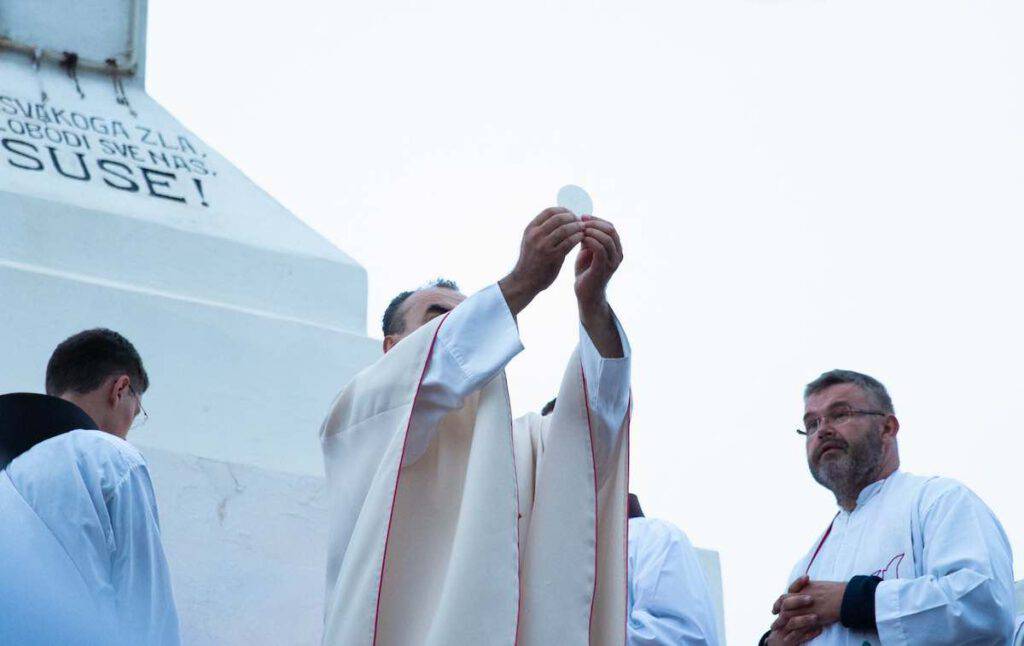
(452, 523)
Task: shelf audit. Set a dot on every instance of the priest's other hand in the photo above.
(599, 256)
(547, 240)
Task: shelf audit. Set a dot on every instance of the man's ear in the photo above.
(118, 388)
(892, 425)
(389, 342)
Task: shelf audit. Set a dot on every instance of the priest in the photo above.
(452, 523)
(82, 559)
(907, 559)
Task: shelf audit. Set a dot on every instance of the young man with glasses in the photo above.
(80, 538)
(907, 559)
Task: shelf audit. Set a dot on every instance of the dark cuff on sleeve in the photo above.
(764, 639)
(858, 608)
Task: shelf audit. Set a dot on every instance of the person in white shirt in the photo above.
(669, 600)
(82, 559)
(907, 559)
(452, 523)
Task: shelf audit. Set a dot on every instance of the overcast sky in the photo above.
(799, 186)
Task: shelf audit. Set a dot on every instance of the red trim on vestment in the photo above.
(625, 518)
(625, 547)
(593, 462)
(820, 544)
(394, 495)
(519, 547)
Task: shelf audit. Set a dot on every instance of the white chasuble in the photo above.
(499, 532)
(944, 561)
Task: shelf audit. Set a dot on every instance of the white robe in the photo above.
(497, 531)
(82, 561)
(944, 559)
(669, 601)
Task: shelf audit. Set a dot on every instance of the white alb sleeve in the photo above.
(142, 582)
(966, 593)
(607, 381)
(477, 341)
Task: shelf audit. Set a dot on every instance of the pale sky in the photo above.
(799, 186)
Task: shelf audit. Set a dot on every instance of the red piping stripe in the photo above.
(625, 560)
(519, 554)
(821, 543)
(394, 495)
(593, 462)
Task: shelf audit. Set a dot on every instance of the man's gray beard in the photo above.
(855, 469)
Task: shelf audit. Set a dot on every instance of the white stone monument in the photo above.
(113, 214)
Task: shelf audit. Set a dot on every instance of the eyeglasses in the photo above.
(140, 420)
(834, 418)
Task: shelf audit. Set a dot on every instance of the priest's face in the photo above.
(421, 307)
(848, 449)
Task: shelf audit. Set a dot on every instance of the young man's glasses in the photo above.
(142, 416)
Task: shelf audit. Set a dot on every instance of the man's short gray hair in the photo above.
(866, 383)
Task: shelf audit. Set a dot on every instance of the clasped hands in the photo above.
(805, 610)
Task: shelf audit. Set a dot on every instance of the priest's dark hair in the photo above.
(83, 361)
(867, 383)
(393, 323)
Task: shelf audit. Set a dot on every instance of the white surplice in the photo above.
(492, 530)
(944, 560)
(669, 601)
(82, 561)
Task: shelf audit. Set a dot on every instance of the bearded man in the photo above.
(452, 523)
(907, 559)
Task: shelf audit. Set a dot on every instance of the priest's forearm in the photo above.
(599, 323)
(517, 292)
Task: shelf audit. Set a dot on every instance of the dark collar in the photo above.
(633, 507)
(26, 419)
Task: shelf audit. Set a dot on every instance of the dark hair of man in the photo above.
(82, 362)
(866, 383)
(393, 322)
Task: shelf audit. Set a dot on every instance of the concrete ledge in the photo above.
(248, 547)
